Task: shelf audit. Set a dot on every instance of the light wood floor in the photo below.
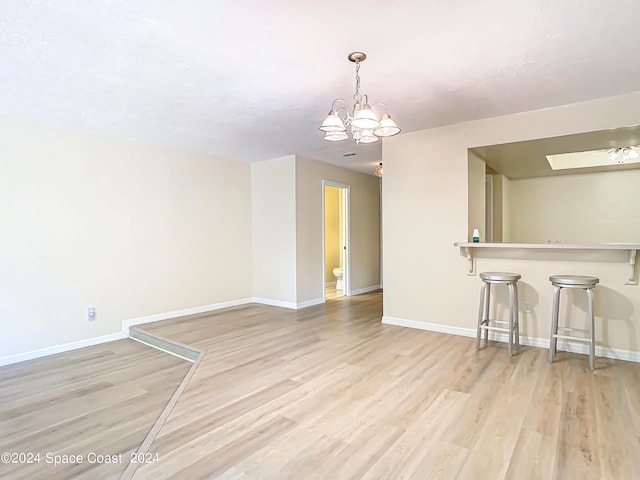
(331, 293)
(328, 392)
(101, 399)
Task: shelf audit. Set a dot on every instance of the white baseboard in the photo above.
(291, 305)
(370, 288)
(274, 303)
(67, 347)
(431, 327)
(565, 346)
(310, 303)
(181, 313)
(89, 342)
(126, 324)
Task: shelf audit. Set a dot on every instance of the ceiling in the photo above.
(253, 80)
(528, 159)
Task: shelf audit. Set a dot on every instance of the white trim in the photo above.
(89, 342)
(126, 324)
(274, 303)
(432, 327)
(291, 305)
(66, 347)
(370, 288)
(310, 303)
(181, 313)
(615, 353)
(324, 246)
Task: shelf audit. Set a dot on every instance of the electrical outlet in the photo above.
(527, 307)
(91, 313)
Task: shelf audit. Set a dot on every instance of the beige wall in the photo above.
(274, 229)
(287, 229)
(585, 208)
(128, 228)
(506, 209)
(331, 232)
(425, 208)
(364, 227)
(476, 199)
(497, 199)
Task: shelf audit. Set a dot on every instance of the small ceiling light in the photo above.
(378, 170)
(623, 154)
(365, 126)
(594, 158)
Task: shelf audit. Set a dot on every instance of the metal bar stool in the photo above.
(587, 284)
(486, 324)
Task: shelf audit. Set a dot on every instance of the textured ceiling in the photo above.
(253, 80)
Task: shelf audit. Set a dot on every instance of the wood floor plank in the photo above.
(406, 457)
(577, 445)
(613, 415)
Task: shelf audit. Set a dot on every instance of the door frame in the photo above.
(346, 268)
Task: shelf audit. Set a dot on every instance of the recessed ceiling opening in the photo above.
(594, 158)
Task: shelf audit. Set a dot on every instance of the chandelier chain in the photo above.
(356, 96)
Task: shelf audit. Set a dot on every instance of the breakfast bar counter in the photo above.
(467, 248)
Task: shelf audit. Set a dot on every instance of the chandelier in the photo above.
(365, 125)
(622, 154)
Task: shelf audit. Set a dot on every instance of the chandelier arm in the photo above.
(339, 100)
(386, 110)
(346, 118)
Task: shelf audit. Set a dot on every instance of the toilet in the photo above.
(337, 272)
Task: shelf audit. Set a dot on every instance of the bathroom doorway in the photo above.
(335, 239)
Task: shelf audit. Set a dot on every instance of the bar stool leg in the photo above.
(554, 323)
(516, 312)
(591, 319)
(511, 326)
(480, 314)
(487, 306)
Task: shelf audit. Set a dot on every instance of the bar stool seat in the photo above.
(485, 323)
(583, 282)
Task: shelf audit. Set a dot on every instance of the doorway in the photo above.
(335, 240)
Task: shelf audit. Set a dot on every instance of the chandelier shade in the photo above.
(333, 123)
(336, 136)
(365, 125)
(387, 127)
(365, 119)
(367, 136)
